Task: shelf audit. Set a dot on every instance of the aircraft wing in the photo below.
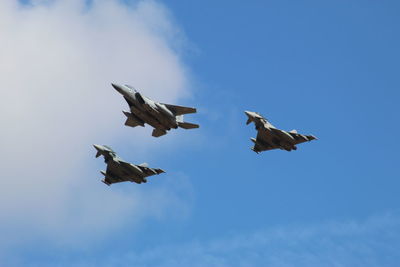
(111, 177)
(263, 143)
(132, 172)
(299, 138)
(132, 120)
(258, 148)
(146, 170)
(180, 110)
(149, 171)
(128, 166)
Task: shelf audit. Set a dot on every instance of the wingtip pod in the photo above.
(159, 171)
(312, 137)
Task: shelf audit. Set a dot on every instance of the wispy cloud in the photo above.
(374, 241)
(57, 61)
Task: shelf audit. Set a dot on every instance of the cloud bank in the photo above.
(370, 242)
(57, 61)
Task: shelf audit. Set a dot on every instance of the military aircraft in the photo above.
(269, 137)
(119, 170)
(162, 117)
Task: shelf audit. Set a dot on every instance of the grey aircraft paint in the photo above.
(119, 170)
(269, 137)
(162, 117)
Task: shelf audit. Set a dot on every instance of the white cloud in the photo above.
(370, 242)
(58, 59)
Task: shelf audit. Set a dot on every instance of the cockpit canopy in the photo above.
(131, 87)
(110, 150)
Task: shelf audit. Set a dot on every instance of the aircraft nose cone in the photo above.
(250, 116)
(98, 147)
(249, 113)
(99, 150)
(118, 87)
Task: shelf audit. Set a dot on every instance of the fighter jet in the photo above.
(119, 170)
(162, 117)
(269, 137)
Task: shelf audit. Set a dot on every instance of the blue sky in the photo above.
(327, 68)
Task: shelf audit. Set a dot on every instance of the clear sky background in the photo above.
(327, 68)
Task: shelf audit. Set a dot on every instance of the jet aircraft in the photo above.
(162, 117)
(269, 137)
(119, 170)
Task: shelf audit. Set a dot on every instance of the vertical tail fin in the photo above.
(188, 125)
